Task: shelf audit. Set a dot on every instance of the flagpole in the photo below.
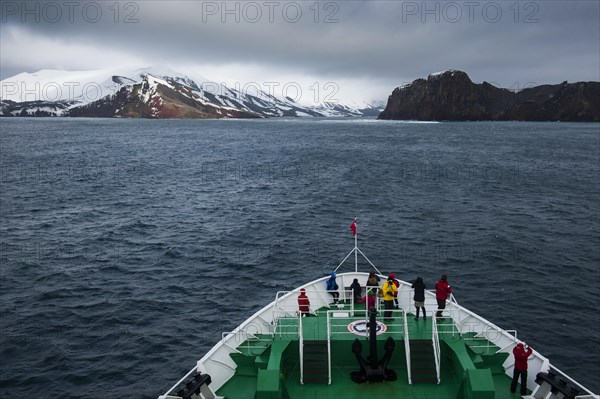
(354, 228)
(356, 248)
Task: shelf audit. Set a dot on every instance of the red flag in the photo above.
(353, 227)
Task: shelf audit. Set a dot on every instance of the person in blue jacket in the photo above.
(332, 287)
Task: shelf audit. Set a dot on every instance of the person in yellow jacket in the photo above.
(389, 289)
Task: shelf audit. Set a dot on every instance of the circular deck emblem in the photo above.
(360, 328)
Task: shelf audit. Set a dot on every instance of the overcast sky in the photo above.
(363, 49)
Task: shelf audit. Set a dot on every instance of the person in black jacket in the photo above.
(419, 287)
(356, 290)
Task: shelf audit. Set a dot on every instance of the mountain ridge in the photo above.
(151, 92)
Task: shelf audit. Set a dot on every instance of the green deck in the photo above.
(467, 372)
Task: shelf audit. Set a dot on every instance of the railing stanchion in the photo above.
(301, 344)
(407, 346)
(328, 349)
(435, 341)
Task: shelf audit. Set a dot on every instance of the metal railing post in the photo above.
(407, 346)
(301, 347)
(435, 341)
(328, 349)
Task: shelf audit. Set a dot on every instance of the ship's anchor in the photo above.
(373, 369)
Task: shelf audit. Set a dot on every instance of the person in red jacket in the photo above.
(521, 353)
(303, 303)
(442, 290)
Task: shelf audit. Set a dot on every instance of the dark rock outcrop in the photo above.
(452, 96)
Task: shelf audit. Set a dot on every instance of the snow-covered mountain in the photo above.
(150, 93)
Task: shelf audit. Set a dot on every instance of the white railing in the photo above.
(452, 298)
(483, 336)
(285, 330)
(435, 341)
(465, 321)
(287, 303)
(510, 345)
(344, 320)
(301, 348)
(455, 316)
(407, 347)
(328, 349)
(249, 337)
(487, 333)
(343, 323)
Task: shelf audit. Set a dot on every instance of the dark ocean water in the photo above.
(127, 246)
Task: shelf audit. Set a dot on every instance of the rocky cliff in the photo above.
(452, 96)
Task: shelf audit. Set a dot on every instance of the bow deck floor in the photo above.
(460, 356)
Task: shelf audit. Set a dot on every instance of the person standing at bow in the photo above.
(521, 353)
(389, 289)
(332, 287)
(356, 290)
(397, 284)
(419, 297)
(442, 291)
(303, 303)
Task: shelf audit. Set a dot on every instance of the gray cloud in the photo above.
(385, 42)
